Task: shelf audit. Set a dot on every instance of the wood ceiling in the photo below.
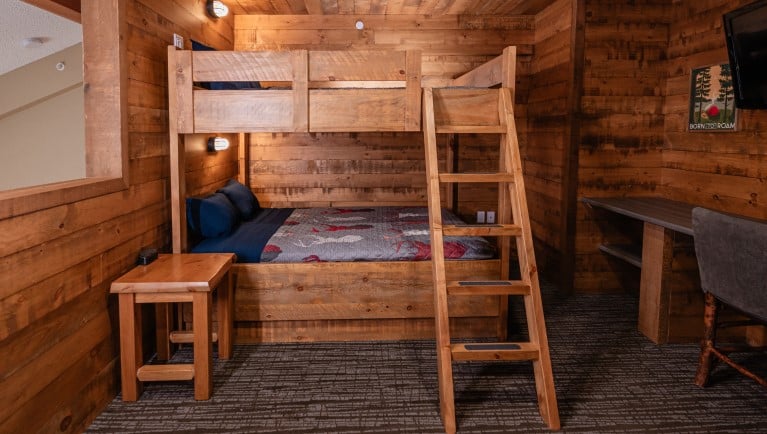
(388, 7)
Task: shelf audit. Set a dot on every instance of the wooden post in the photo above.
(225, 318)
(131, 355)
(413, 90)
(657, 255)
(203, 363)
(300, 63)
(181, 120)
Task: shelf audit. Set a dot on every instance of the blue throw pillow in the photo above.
(212, 216)
(242, 198)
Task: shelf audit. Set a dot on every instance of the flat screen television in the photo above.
(746, 35)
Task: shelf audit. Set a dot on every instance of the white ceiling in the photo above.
(19, 20)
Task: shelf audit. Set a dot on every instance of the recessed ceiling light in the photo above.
(32, 42)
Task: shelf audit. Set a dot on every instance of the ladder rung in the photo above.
(495, 351)
(482, 230)
(476, 177)
(169, 372)
(187, 337)
(469, 129)
(485, 287)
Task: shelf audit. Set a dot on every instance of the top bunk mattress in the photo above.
(348, 235)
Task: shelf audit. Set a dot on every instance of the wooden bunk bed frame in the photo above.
(333, 91)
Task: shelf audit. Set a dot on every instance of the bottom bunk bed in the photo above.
(335, 274)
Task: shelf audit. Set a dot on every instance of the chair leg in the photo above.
(708, 341)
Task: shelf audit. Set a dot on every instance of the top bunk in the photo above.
(308, 91)
(322, 91)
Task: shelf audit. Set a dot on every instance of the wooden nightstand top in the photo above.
(184, 272)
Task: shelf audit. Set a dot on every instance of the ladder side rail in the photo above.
(544, 380)
(441, 318)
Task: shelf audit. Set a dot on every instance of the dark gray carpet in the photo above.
(608, 377)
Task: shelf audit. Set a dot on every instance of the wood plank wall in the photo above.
(58, 342)
(385, 168)
(546, 134)
(634, 137)
(621, 127)
(722, 171)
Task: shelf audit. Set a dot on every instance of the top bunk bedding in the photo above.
(342, 235)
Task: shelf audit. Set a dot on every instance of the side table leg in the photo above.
(131, 356)
(203, 345)
(164, 321)
(224, 313)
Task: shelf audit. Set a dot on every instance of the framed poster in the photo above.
(712, 102)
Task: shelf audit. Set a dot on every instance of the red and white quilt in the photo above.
(366, 234)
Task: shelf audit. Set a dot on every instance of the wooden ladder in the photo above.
(513, 221)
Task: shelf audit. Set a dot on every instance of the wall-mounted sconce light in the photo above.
(217, 9)
(359, 25)
(216, 144)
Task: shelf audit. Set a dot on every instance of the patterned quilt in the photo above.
(366, 234)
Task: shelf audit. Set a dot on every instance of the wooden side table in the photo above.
(175, 278)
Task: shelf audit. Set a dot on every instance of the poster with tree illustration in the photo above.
(712, 102)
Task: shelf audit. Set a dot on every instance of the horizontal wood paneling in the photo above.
(57, 338)
(393, 7)
(722, 171)
(621, 128)
(380, 168)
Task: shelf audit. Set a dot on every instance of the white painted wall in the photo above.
(42, 133)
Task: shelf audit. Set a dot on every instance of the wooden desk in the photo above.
(173, 279)
(661, 217)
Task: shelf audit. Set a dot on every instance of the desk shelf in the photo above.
(628, 252)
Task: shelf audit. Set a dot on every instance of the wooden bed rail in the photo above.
(318, 91)
(499, 71)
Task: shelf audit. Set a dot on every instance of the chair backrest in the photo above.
(732, 258)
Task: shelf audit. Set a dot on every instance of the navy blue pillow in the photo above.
(212, 216)
(223, 85)
(242, 198)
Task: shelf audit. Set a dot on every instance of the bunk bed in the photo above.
(328, 91)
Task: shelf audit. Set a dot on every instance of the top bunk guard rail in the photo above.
(500, 70)
(470, 103)
(346, 91)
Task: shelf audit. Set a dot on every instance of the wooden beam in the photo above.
(69, 9)
(106, 88)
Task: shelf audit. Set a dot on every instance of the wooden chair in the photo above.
(732, 258)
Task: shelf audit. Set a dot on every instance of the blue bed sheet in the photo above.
(249, 239)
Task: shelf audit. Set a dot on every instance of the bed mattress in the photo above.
(344, 235)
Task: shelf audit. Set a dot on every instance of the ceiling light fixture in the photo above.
(217, 9)
(32, 42)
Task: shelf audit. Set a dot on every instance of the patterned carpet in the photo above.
(608, 377)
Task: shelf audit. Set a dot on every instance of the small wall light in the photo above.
(217, 9)
(216, 144)
(359, 25)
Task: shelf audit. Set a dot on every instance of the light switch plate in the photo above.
(178, 41)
